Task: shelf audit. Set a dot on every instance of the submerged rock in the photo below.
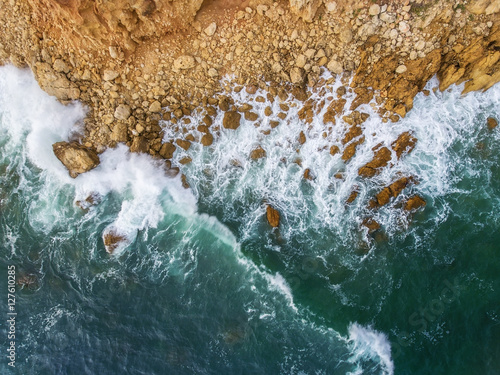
(371, 224)
(257, 153)
(273, 216)
(414, 203)
(492, 123)
(112, 240)
(76, 157)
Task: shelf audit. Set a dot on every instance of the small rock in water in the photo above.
(492, 123)
(273, 216)
(414, 203)
(258, 153)
(112, 240)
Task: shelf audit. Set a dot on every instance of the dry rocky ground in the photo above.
(144, 65)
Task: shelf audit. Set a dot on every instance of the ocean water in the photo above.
(203, 285)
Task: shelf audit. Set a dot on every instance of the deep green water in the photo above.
(204, 285)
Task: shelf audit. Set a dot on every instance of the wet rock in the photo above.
(335, 108)
(414, 203)
(185, 160)
(308, 174)
(258, 153)
(251, 116)
(184, 181)
(273, 123)
(112, 240)
(273, 216)
(492, 123)
(75, 157)
(391, 191)
(92, 200)
(371, 224)
(350, 150)
(28, 281)
(380, 160)
(140, 144)
(167, 150)
(302, 138)
(184, 144)
(207, 120)
(334, 150)
(354, 194)
(231, 120)
(404, 144)
(207, 139)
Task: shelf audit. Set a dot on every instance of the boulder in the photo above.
(207, 139)
(273, 216)
(231, 120)
(167, 150)
(302, 138)
(75, 157)
(257, 153)
(380, 160)
(404, 144)
(55, 83)
(492, 123)
(140, 144)
(391, 191)
(184, 144)
(122, 112)
(414, 203)
(112, 240)
(308, 175)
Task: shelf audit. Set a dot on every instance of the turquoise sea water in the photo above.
(204, 286)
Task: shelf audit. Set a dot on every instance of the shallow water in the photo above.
(203, 285)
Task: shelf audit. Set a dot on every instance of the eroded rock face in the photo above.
(55, 83)
(273, 216)
(391, 191)
(75, 157)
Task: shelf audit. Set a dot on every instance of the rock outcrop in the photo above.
(75, 157)
(273, 216)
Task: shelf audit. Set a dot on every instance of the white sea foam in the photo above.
(41, 121)
(369, 344)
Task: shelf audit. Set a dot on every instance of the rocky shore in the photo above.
(156, 74)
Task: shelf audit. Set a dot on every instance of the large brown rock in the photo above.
(414, 203)
(75, 157)
(391, 191)
(167, 150)
(492, 123)
(273, 216)
(380, 159)
(404, 144)
(55, 83)
(231, 120)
